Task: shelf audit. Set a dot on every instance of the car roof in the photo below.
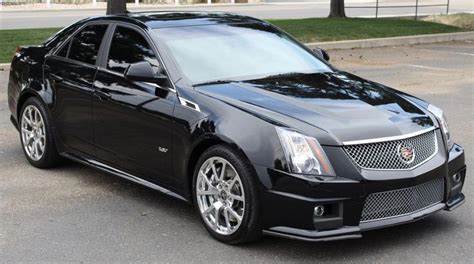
(165, 19)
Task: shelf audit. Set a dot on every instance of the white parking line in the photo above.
(426, 67)
(458, 53)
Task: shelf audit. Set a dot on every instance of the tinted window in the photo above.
(64, 50)
(85, 44)
(62, 34)
(128, 46)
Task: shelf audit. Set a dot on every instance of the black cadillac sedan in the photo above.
(235, 116)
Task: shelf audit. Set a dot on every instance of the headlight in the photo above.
(304, 154)
(444, 124)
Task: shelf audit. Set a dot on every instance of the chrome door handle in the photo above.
(57, 78)
(102, 95)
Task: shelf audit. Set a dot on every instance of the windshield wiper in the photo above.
(280, 75)
(215, 82)
(288, 74)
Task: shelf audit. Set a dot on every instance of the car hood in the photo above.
(344, 105)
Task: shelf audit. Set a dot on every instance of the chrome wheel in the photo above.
(33, 135)
(220, 196)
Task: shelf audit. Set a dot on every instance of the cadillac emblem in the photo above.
(406, 153)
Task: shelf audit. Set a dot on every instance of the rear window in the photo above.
(85, 44)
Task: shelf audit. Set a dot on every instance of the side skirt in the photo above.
(106, 168)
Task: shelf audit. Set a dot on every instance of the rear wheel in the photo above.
(36, 136)
(226, 197)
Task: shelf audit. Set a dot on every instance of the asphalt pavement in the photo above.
(76, 214)
(60, 18)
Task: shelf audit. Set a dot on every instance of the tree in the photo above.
(337, 9)
(116, 7)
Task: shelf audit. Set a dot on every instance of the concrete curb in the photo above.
(131, 7)
(372, 43)
(395, 41)
(4, 67)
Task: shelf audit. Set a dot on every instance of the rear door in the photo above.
(133, 121)
(70, 73)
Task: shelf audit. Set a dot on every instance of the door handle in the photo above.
(102, 95)
(57, 78)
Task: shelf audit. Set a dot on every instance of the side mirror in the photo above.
(143, 72)
(321, 53)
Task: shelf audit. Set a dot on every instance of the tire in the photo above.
(239, 175)
(37, 120)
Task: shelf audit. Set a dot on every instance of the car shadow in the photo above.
(372, 241)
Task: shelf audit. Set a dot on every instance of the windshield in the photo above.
(226, 52)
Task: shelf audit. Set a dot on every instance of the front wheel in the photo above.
(226, 197)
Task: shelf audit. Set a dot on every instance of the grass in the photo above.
(333, 29)
(12, 38)
(306, 30)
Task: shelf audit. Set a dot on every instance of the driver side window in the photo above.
(127, 47)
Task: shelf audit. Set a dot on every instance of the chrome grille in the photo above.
(402, 201)
(386, 155)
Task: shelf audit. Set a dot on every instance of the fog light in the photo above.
(319, 210)
(457, 177)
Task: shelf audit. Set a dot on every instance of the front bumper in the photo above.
(289, 202)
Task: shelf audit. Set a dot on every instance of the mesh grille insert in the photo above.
(387, 155)
(402, 201)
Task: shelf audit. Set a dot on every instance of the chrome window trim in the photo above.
(385, 139)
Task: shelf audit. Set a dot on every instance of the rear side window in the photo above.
(61, 35)
(85, 44)
(127, 47)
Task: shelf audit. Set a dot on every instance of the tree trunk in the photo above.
(116, 7)
(337, 9)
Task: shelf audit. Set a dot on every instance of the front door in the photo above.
(133, 121)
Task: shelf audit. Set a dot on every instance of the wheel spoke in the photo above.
(221, 177)
(37, 118)
(216, 216)
(236, 197)
(40, 145)
(32, 116)
(226, 216)
(28, 121)
(214, 172)
(211, 191)
(232, 182)
(208, 210)
(28, 114)
(235, 214)
(34, 150)
(206, 180)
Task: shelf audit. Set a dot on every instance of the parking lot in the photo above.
(74, 213)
